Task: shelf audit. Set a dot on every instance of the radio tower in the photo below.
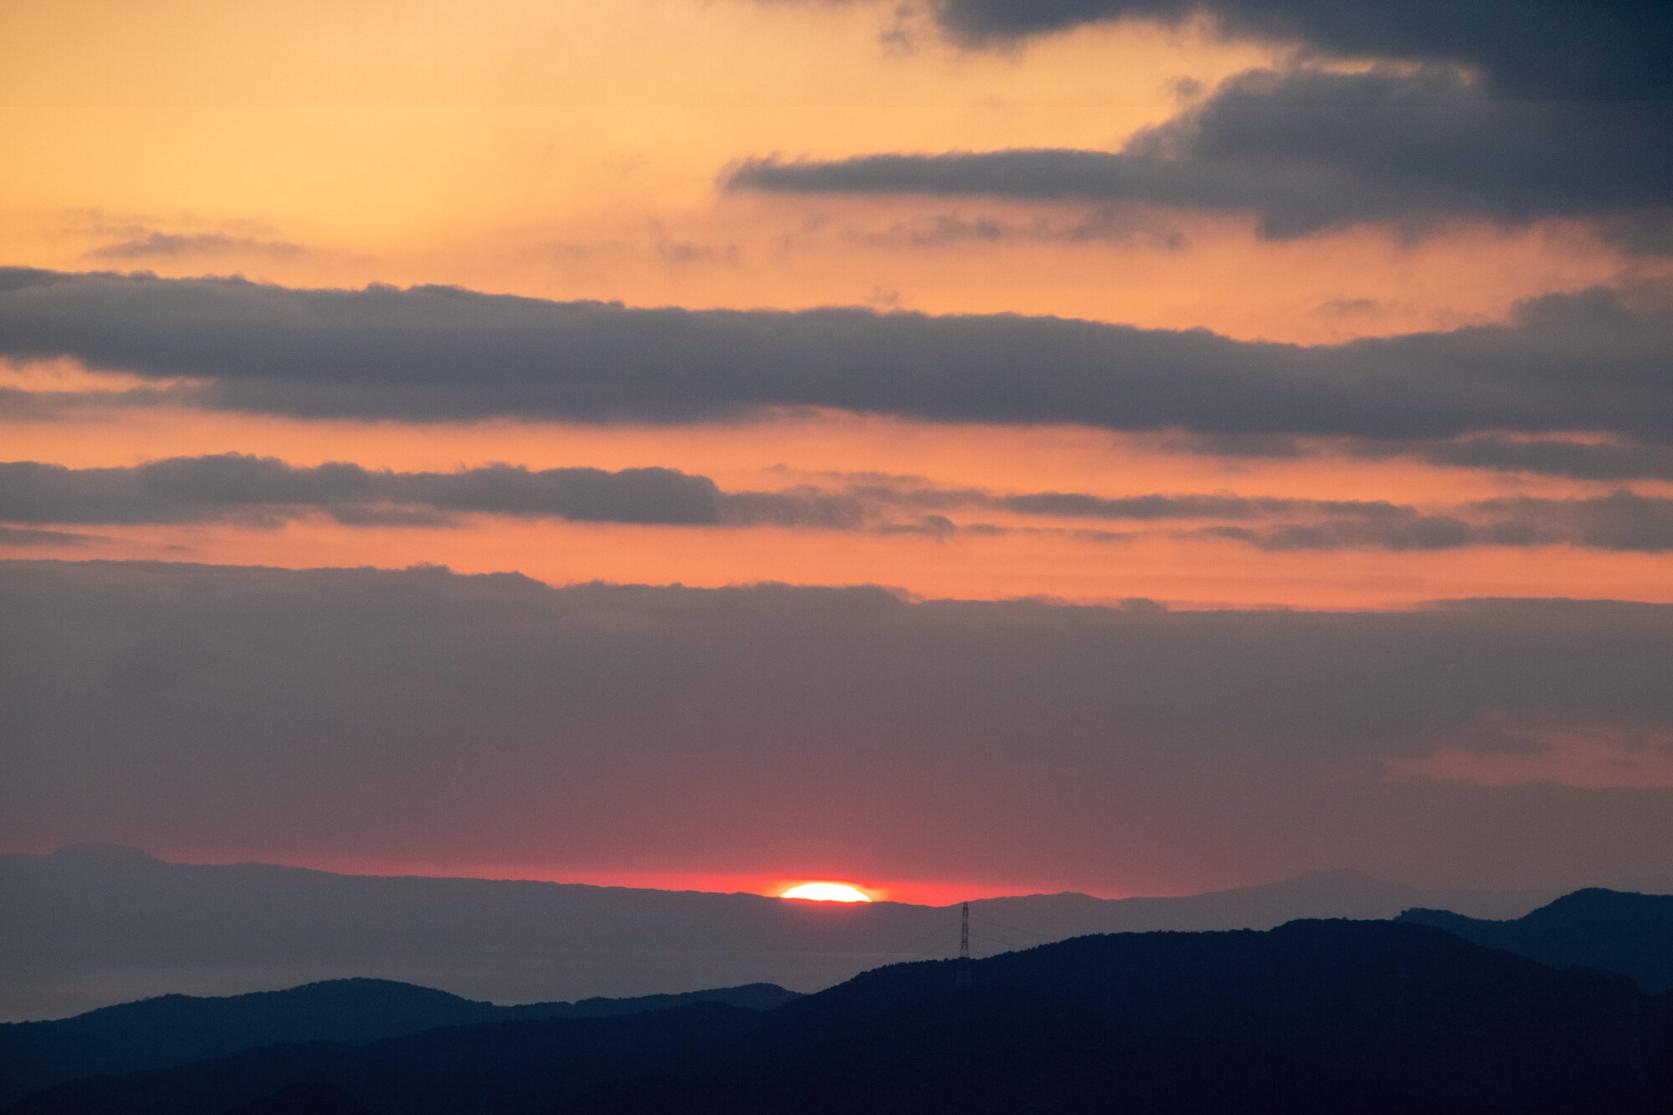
(961, 974)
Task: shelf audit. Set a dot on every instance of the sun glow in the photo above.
(827, 892)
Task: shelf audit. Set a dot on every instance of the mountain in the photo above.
(1320, 894)
(178, 1029)
(304, 1099)
(1315, 1015)
(1613, 930)
(89, 927)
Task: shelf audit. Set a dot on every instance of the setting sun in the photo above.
(827, 892)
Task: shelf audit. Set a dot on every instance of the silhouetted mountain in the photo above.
(87, 927)
(1317, 894)
(305, 1099)
(993, 1049)
(513, 1066)
(1616, 931)
(1314, 1016)
(177, 1029)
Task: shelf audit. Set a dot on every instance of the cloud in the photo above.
(24, 536)
(1592, 360)
(1548, 48)
(1508, 751)
(1580, 460)
(264, 492)
(1216, 506)
(1622, 520)
(21, 404)
(687, 253)
(1311, 150)
(422, 715)
(173, 245)
(1106, 224)
(1418, 532)
(1355, 308)
(930, 526)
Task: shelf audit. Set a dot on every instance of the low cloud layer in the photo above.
(176, 245)
(421, 715)
(1309, 150)
(1105, 225)
(1592, 360)
(1547, 48)
(1578, 460)
(262, 492)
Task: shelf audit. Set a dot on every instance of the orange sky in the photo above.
(1042, 559)
(572, 150)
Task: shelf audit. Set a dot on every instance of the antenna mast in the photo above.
(961, 974)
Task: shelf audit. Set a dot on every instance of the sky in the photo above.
(957, 447)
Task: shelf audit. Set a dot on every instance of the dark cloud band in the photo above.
(441, 715)
(1541, 48)
(1579, 460)
(1311, 150)
(263, 492)
(1593, 360)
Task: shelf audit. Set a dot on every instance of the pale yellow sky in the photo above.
(574, 150)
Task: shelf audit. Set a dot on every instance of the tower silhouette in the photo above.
(961, 973)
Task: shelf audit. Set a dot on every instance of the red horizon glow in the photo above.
(826, 892)
(916, 892)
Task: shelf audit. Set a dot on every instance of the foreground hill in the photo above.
(1320, 1015)
(88, 927)
(178, 1029)
(1616, 931)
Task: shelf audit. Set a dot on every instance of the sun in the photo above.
(827, 892)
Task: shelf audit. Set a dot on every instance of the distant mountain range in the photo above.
(1627, 933)
(92, 926)
(179, 1029)
(1339, 1016)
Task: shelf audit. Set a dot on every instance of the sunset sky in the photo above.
(951, 446)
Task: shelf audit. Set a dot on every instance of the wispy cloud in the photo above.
(176, 245)
(260, 492)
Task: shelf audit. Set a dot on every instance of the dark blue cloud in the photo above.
(1593, 360)
(262, 491)
(1310, 150)
(1525, 48)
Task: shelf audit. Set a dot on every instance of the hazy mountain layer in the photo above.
(90, 927)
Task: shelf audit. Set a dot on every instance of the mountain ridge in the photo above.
(167, 1030)
(91, 927)
(1594, 927)
(1315, 1015)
